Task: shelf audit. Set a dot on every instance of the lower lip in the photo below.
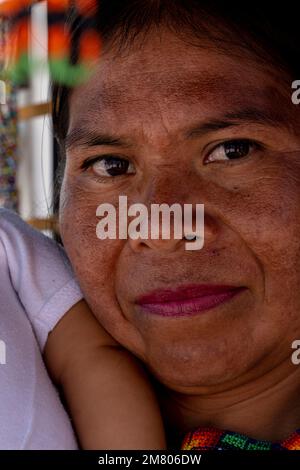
(189, 307)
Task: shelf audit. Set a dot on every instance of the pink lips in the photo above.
(187, 300)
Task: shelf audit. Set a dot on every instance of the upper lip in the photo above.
(185, 292)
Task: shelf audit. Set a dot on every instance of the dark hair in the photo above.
(271, 33)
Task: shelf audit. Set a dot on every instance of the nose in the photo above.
(172, 226)
(195, 239)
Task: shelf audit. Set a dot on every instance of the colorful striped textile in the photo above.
(69, 61)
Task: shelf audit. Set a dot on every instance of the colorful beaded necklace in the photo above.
(215, 439)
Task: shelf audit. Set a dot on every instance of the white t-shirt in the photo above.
(37, 287)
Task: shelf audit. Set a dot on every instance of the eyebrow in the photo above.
(84, 137)
(87, 138)
(246, 115)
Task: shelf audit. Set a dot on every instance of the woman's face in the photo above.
(168, 111)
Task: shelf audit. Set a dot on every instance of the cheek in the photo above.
(78, 224)
(94, 261)
(265, 211)
(263, 206)
(273, 215)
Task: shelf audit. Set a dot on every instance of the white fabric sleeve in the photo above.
(40, 273)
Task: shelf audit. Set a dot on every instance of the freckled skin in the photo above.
(252, 213)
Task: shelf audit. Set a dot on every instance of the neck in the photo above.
(266, 408)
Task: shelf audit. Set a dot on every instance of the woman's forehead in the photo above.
(173, 78)
(180, 102)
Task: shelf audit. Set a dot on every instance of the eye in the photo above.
(231, 150)
(110, 166)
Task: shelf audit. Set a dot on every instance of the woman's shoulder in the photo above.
(39, 272)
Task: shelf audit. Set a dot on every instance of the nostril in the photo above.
(191, 237)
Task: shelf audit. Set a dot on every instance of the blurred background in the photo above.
(28, 156)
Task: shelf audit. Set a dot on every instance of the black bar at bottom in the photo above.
(140, 459)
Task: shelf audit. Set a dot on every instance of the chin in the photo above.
(186, 373)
